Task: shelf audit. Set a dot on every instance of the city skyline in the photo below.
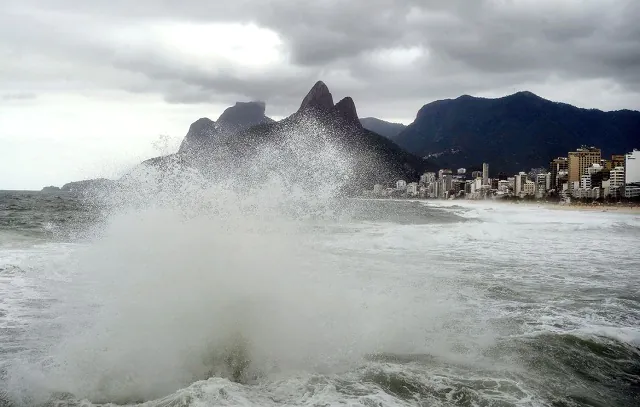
(583, 174)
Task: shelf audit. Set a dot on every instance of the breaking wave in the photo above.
(192, 276)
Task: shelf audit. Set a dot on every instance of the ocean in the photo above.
(352, 303)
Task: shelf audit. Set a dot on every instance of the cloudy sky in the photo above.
(89, 88)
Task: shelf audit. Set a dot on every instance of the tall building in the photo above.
(616, 177)
(579, 161)
(557, 166)
(520, 181)
(632, 167)
(476, 174)
(447, 182)
(485, 174)
(543, 182)
(632, 174)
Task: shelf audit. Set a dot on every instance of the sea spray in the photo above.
(200, 273)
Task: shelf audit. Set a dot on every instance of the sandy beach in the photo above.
(594, 208)
(619, 208)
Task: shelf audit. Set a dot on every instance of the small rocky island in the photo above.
(50, 189)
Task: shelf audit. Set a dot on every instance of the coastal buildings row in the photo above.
(581, 174)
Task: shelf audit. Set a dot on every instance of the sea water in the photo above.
(356, 302)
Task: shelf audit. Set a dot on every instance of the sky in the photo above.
(90, 88)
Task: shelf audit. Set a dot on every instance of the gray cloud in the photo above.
(467, 47)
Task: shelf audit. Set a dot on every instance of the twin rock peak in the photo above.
(318, 102)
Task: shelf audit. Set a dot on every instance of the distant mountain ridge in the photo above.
(388, 129)
(514, 133)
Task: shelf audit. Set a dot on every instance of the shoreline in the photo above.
(595, 208)
(613, 207)
(617, 208)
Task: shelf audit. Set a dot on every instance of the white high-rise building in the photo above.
(543, 182)
(585, 182)
(616, 177)
(632, 167)
(401, 185)
(485, 174)
(520, 180)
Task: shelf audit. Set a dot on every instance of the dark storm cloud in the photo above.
(467, 47)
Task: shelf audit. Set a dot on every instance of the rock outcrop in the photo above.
(319, 99)
(201, 133)
(204, 132)
(97, 184)
(242, 116)
(50, 189)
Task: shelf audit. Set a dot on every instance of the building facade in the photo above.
(485, 174)
(558, 166)
(519, 182)
(529, 188)
(632, 167)
(579, 161)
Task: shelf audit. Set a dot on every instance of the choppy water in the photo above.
(376, 304)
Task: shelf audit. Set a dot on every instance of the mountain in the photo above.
(242, 116)
(387, 129)
(300, 146)
(50, 189)
(88, 185)
(235, 118)
(514, 133)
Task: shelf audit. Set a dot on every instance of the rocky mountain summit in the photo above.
(236, 118)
